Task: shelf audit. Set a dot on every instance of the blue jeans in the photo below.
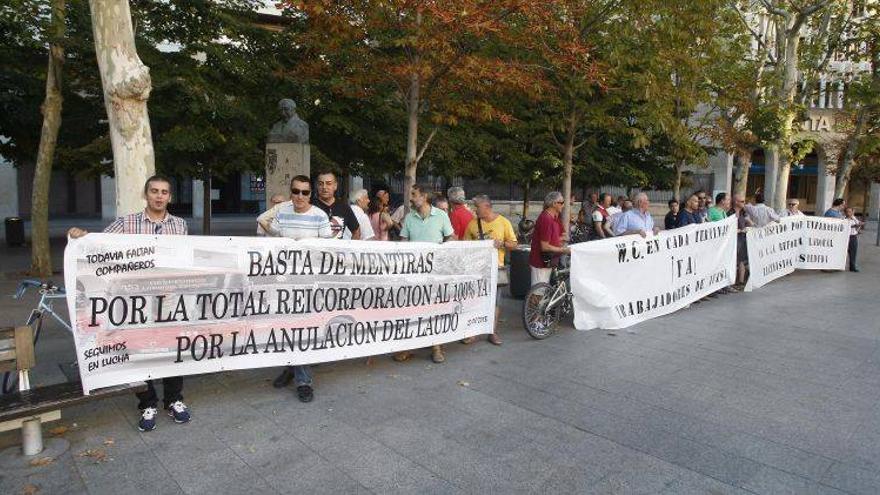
(302, 375)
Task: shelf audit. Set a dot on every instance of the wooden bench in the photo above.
(28, 408)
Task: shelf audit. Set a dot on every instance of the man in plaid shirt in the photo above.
(154, 220)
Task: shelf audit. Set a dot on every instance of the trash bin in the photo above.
(14, 231)
(520, 274)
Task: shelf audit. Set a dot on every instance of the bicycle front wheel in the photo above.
(539, 320)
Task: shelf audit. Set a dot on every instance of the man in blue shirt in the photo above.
(836, 210)
(637, 220)
(691, 213)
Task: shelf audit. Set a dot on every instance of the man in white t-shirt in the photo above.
(297, 219)
(759, 213)
(360, 201)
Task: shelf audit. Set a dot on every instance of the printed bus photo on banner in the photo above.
(795, 243)
(146, 307)
(622, 281)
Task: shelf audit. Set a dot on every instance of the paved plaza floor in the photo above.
(775, 391)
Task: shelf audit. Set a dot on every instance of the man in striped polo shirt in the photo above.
(154, 220)
(297, 219)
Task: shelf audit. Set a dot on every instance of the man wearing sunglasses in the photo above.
(297, 219)
(547, 239)
(793, 209)
(154, 220)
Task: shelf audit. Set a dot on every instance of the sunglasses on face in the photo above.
(303, 192)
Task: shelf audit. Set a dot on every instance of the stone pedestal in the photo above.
(283, 162)
(108, 198)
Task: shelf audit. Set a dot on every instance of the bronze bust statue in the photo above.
(291, 128)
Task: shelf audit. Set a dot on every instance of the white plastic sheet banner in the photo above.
(801, 242)
(625, 280)
(146, 307)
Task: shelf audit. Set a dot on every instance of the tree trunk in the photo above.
(741, 174)
(792, 37)
(567, 164)
(126, 83)
(206, 204)
(412, 136)
(783, 169)
(676, 186)
(41, 256)
(849, 154)
(527, 188)
(412, 127)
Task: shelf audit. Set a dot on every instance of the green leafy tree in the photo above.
(434, 61)
(860, 120)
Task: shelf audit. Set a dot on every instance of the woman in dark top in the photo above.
(690, 214)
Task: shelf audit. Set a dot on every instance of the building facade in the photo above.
(812, 179)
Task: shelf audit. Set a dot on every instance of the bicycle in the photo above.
(546, 303)
(579, 232)
(48, 294)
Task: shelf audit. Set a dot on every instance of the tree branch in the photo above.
(421, 152)
(775, 10)
(812, 9)
(758, 37)
(555, 138)
(600, 16)
(806, 12)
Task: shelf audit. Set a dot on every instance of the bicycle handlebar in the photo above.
(46, 286)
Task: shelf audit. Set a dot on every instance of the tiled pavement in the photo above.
(772, 392)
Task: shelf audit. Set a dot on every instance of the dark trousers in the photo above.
(852, 250)
(172, 388)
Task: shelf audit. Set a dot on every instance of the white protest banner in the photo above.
(825, 243)
(621, 281)
(146, 307)
(801, 242)
(773, 250)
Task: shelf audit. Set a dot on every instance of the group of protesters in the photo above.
(603, 217)
(431, 217)
(428, 217)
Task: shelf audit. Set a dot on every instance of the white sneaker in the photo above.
(179, 412)
(148, 419)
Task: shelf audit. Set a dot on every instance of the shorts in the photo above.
(540, 275)
(742, 251)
